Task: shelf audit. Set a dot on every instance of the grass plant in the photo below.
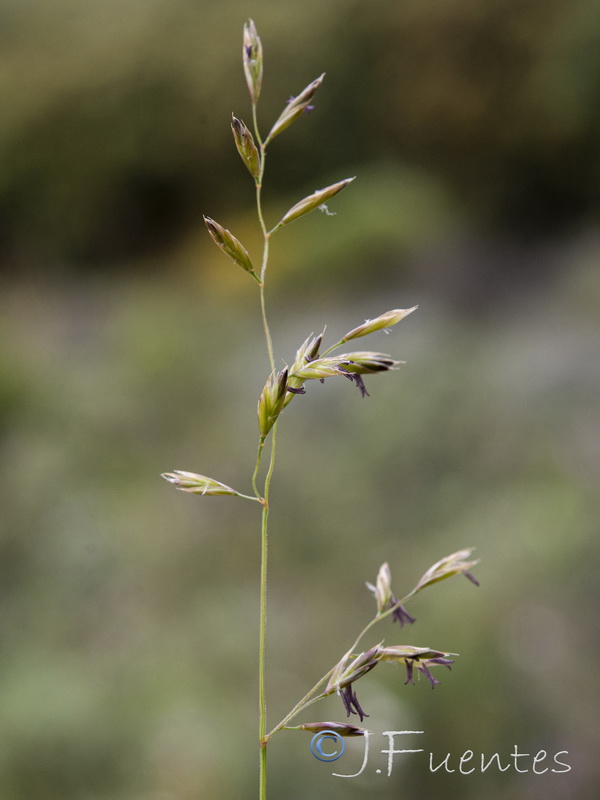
(313, 363)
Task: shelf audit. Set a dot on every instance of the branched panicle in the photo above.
(287, 381)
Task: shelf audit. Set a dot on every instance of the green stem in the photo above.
(265, 261)
(263, 623)
(256, 131)
(263, 772)
(266, 327)
(333, 347)
(261, 445)
(265, 233)
(262, 704)
(248, 497)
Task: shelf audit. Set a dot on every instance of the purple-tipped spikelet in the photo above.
(364, 362)
(252, 59)
(455, 564)
(386, 600)
(244, 141)
(270, 403)
(329, 366)
(295, 107)
(420, 657)
(307, 352)
(347, 672)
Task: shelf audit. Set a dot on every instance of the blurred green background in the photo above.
(130, 346)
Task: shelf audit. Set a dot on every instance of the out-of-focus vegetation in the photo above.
(130, 346)
(114, 112)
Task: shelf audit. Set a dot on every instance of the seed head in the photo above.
(383, 587)
(307, 352)
(454, 564)
(350, 668)
(362, 664)
(399, 652)
(365, 362)
(320, 368)
(252, 58)
(294, 108)
(231, 246)
(379, 323)
(421, 657)
(338, 727)
(196, 484)
(386, 600)
(350, 365)
(308, 204)
(244, 141)
(270, 403)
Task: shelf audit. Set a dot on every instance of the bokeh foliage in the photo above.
(111, 132)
